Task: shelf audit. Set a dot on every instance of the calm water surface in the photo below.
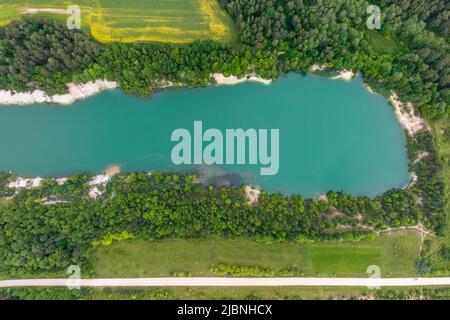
(334, 135)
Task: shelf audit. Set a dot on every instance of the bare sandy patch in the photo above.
(62, 180)
(345, 75)
(405, 115)
(317, 67)
(232, 80)
(76, 92)
(99, 182)
(112, 171)
(24, 183)
(252, 195)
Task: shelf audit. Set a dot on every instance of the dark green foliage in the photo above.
(434, 12)
(140, 68)
(444, 252)
(414, 294)
(424, 266)
(42, 54)
(44, 294)
(429, 188)
(34, 236)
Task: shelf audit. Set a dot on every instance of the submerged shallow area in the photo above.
(334, 134)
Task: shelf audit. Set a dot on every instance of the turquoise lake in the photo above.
(334, 134)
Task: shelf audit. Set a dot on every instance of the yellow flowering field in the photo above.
(175, 21)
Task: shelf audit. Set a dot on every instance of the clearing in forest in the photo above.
(174, 21)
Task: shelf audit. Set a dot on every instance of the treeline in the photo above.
(414, 294)
(141, 68)
(434, 12)
(48, 293)
(37, 237)
(426, 293)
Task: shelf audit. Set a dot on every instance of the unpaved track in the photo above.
(228, 282)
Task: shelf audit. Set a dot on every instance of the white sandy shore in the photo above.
(112, 171)
(412, 180)
(252, 195)
(98, 182)
(421, 155)
(76, 92)
(232, 80)
(23, 183)
(345, 75)
(317, 67)
(61, 180)
(405, 115)
(412, 124)
(83, 91)
(368, 88)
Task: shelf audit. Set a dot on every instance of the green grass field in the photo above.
(174, 21)
(441, 135)
(395, 254)
(225, 293)
(246, 293)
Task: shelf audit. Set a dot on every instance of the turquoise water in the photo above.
(334, 135)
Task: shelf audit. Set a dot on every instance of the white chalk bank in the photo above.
(345, 75)
(76, 92)
(232, 80)
(405, 115)
(24, 183)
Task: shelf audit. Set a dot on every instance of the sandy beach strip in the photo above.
(252, 195)
(317, 67)
(221, 79)
(404, 111)
(76, 92)
(83, 91)
(345, 75)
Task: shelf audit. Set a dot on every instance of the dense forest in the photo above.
(410, 54)
(37, 54)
